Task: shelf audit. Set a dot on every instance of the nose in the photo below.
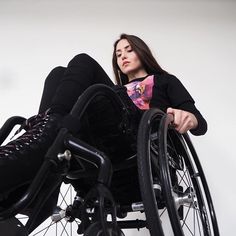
(123, 56)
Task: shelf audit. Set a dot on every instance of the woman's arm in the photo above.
(183, 120)
(170, 95)
(182, 106)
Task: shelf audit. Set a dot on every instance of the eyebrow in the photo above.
(118, 50)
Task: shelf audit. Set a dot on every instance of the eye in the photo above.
(118, 55)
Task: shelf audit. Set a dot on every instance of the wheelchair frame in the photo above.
(152, 161)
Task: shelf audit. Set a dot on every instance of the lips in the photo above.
(125, 63)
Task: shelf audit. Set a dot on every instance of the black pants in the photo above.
(62, 88)
(64, 85)
(102, 127)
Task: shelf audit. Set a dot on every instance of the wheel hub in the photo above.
(188, 198)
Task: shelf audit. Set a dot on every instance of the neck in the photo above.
(136, 75)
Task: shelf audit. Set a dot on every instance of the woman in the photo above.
(135, 66)
(148, 85)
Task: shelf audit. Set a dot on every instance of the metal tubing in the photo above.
(93, 155)
(30, 194)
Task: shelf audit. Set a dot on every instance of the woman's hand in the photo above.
(183, 120)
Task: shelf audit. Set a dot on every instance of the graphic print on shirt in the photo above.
(141, 92)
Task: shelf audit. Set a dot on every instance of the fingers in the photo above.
(183, 120)
(185, 124)
(170, 110)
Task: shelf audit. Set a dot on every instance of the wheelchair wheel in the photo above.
(59, 223)
(173, 186)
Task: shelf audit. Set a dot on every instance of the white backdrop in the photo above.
(195, 40)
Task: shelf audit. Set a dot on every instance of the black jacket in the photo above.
(168, 91)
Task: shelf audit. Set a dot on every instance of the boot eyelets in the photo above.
(38, 128)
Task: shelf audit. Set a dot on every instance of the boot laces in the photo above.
(33, 126)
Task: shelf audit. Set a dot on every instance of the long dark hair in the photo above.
(143, 52)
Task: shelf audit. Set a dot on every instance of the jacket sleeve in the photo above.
(172, 93)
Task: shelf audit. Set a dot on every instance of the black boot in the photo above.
(21, 158)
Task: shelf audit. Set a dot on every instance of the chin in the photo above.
(128, 71)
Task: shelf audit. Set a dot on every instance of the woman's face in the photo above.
(128, 60)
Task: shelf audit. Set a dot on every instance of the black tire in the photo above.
(185, 189)
(145, 173)
(61, 226)
(163, 155)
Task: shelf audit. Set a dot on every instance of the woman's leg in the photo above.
(21, 158)
(81, 72)
(64, 85)
(51, 83)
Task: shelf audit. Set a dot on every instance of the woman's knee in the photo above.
(82, 58)
(55, 74)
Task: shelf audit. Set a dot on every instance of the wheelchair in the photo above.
(161, 177)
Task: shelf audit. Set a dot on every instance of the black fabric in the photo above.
(110, 129)
(21, 158)
(71, 123)
(81, 72)
(51, 83)
(168, 91)
(68, 83)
